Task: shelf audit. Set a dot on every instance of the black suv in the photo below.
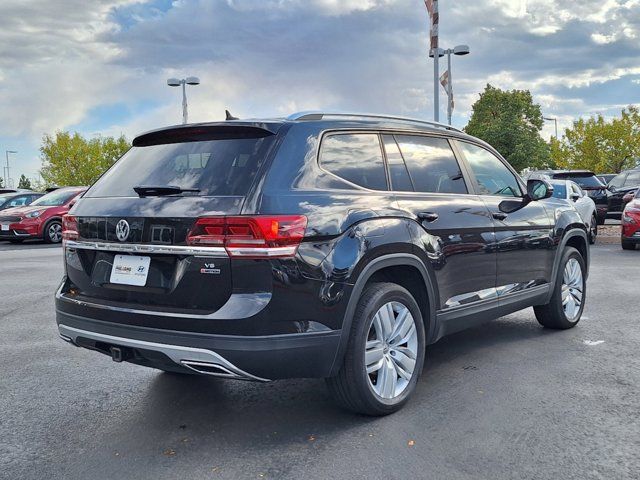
(588, 181)
(320, 245)
(625, 182)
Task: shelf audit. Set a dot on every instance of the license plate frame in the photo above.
(130, 270)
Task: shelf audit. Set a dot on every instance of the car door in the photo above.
(523, 229)
(457, 231)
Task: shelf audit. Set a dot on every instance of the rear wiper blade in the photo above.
(160, 190)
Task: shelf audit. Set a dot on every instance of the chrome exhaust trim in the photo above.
(200, 360)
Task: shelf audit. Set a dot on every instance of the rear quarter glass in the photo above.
(223, 167)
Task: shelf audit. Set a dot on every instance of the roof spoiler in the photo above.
(203, 132)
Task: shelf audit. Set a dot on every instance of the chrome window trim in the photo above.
(146, 248)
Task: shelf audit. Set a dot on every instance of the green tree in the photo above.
(1, 182)
(24, 182)
(511, 123)
(71, 159)
(600, 145)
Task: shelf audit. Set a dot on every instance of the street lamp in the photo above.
(555, 120)
(175, 82)
(6, 169)
(457, 50)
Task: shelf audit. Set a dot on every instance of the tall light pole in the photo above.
(176, 82)
(555, 120)
(457, 50)
(6, 178)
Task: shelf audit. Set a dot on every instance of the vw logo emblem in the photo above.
(122, 230)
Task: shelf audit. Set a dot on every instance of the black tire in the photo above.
(48, 234)
(552, 315)
(352, 387)
(627, 245)
(600, 219)
(593, 230)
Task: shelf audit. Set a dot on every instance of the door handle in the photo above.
(428, 216)
(499, 215)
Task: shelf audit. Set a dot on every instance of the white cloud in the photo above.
(59, 61)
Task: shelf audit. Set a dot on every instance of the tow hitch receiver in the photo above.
(118, 354)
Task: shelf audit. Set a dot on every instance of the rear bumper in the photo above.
(259, 358)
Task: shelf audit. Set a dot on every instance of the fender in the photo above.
(378, 263)
(561, 246)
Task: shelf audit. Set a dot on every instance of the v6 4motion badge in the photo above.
(210, 269)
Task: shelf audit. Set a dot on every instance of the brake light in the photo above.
(263, 236)
(69, 227)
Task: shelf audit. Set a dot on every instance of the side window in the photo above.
(492, 176)
(618, 180)
(432, 165)
(400, 179)
(355, 157)
(18, 201)
(632, 180)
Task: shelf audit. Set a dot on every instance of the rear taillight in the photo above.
(69, 227)
(263, 236)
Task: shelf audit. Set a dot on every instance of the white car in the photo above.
(572, 193)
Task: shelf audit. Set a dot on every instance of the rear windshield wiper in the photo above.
(160, 190)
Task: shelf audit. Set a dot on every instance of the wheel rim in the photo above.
(391, 350)
(55, 232)
(594, 227)
(572, 287)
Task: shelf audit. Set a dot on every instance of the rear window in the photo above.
(225, 167)
(585, 180)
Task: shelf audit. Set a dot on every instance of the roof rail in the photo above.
(318, 115)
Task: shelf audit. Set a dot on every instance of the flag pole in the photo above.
(435, 20)
(450, 89)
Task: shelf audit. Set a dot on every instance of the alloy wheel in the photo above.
(572, 287)
(55, 232)
(391, 350)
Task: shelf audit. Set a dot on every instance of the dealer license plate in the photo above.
(130, 270)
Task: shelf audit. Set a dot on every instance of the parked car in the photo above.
(631, 223)
(320, 245)
(625, 182)
(605, 178)
(17, 199)
(571, 193)
(588, 182)
(41, 219)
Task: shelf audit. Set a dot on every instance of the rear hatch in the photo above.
(127, 244)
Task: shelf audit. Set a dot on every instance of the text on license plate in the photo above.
(4, 227)
(130, 270)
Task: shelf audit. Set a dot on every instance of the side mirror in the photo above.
(574, 197)
(538, 189)
(611, 188)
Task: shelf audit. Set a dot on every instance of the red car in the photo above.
(41, 219)
(631, 223)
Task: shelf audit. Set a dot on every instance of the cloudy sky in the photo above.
(100, 66)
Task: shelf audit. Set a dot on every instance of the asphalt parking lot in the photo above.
(504, 400)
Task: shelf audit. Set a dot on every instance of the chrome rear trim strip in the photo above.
(239, 305)
(141, 248)
(177, 353)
